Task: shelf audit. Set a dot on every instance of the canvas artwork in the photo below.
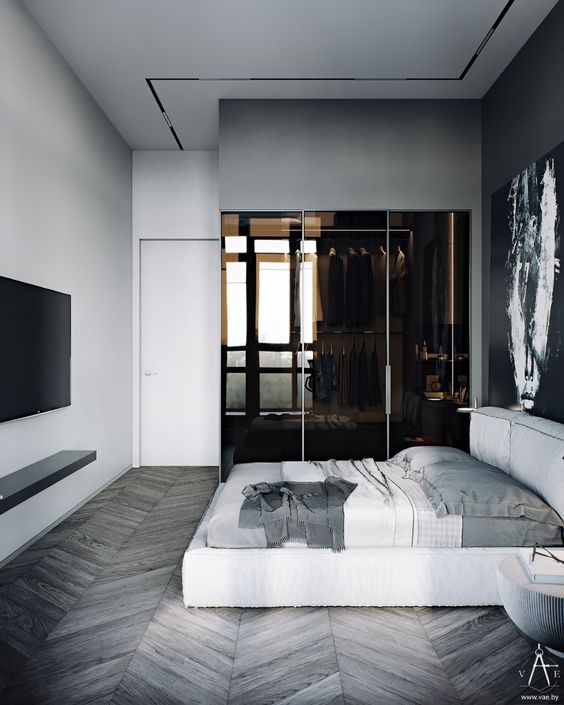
(526, 297)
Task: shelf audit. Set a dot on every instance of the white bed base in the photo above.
(298, 576)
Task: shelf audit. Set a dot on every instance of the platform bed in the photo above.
(389, 576)
(299, 576)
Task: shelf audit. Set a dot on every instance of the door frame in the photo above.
(137, 339)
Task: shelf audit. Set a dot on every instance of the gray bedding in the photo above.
(476, 489)
(495, 531)
(364, 527)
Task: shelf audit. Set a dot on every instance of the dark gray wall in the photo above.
(328, 154)
(357, 154)
(522, 119)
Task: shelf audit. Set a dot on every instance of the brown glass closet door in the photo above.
(344, 334)
(261, 405)
(429, 328)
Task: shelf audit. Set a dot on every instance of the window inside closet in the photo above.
(345, 334)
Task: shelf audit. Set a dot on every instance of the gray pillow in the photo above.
(480, 490)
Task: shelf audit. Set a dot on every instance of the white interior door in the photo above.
(180, 352)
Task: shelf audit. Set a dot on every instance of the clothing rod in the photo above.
(351, 332)
(349, 230)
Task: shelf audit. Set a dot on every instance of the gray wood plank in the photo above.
(385, 654)
(37, 602)
(281, 652)
(329, 691)
(480, 649)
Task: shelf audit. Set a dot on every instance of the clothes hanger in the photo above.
(382, 250)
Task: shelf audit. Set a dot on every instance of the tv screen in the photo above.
(35, 349)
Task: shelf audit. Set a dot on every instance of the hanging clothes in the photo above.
(343, 378)
(366, 289)
(362, 379)
(334, 374)
(324, 371)
(398, 283)
(380, 280)
(352, 288)
(335, 290)
(353, 395)
(374, 394)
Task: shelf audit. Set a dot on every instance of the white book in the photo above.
(543, 569)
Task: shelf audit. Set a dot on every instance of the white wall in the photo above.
(175, 196)
(65, 223)
(358, 154)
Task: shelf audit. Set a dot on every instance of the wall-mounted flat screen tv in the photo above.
(35, 349)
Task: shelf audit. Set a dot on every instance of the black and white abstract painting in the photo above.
(526, 298)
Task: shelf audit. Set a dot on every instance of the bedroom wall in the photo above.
(522, 119)
(175, 197)
(65, 223)
(359, 154)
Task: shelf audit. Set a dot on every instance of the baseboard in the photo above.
(46, 530)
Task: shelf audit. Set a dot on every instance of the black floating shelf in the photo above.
(22, 484)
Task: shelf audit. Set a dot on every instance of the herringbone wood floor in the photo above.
(92, 613)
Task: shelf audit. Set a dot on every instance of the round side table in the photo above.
(537, 609)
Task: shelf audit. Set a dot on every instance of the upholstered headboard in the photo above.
(528, 448)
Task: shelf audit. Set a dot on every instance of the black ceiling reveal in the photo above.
(485, 40)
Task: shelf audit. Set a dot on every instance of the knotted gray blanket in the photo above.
(298, 511)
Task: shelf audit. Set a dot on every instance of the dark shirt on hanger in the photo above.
(398, 283)
(374, 394)
(335, 291)
(343, 378)
(366, 289)
(352, 289)
(380, 281)
(353, 395)
(362, 379)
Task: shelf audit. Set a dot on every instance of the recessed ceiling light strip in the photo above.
(164, 113)
(486, 39)
(343, 79)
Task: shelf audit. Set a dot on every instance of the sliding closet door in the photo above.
(344, 334)
(179, 356)
(261, 380)
(429, 328)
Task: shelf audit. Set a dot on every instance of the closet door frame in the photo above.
(388, 366)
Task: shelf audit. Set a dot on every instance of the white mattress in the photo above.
(298, 576)
(371, 519)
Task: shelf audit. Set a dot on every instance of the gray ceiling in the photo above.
(115, 45)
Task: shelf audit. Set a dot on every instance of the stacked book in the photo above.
(543, 569)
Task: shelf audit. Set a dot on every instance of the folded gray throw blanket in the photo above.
(298, 511)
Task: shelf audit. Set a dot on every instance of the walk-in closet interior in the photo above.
(344, 333)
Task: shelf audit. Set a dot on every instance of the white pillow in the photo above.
(537, 458)
(412, 460)
(490, 435)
